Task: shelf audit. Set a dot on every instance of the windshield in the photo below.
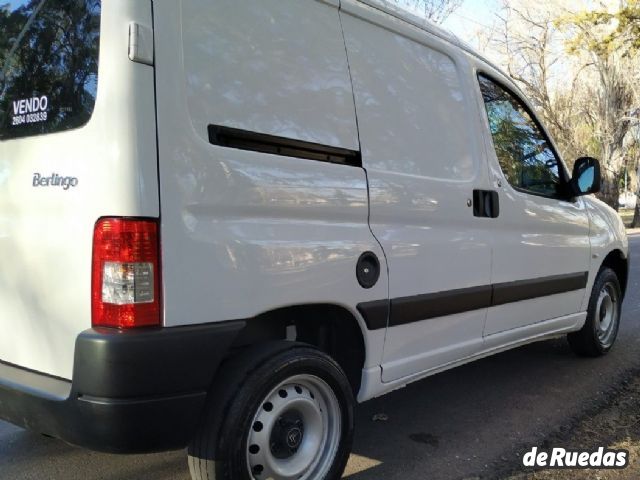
(48, 65)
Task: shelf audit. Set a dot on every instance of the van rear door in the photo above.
(77, 142)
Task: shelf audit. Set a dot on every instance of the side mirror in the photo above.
(586, 177)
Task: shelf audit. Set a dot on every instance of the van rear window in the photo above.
(48, 65)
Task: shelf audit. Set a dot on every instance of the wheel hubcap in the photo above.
(295, 433)
(607, 314)
(287, 435)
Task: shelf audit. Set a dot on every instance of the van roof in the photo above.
(430, 27)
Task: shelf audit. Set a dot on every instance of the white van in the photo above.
(224, 221)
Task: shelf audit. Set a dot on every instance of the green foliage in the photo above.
(629, 23)
(618, 30)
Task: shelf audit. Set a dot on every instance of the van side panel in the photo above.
(275, 67)
(46, 232)
(245, 232)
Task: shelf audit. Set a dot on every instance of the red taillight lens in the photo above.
(125, 277)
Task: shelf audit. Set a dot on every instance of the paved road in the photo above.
(471, 421)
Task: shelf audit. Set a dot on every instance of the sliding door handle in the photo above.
(486, 204)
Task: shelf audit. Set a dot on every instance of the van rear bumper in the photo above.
(132, 391)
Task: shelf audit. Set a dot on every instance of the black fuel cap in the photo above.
(368, 270)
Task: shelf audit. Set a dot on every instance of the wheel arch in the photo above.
(617, 262)
(331, 328)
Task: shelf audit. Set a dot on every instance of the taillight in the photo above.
(125, 277)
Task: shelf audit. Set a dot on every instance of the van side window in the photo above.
(48, 65)
(523, 150)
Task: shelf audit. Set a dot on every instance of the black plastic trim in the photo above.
(375, 313)
(431, 305)
(416, 308)
(288, 147)
(133, 391)
(139, 363)
(537, 287)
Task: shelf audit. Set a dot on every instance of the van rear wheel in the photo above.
(600, 329)
(289, 416)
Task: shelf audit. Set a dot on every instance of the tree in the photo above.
(530, 48)
(611, 89)
(435, 10)
(584, 97)
(623, 27)
(634, 152)
(628, 29)
(611, 41)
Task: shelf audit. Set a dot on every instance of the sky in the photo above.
(472, 16)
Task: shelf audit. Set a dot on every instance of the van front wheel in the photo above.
(290, 417)
(603, 317)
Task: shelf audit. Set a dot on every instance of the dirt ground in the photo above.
(614, 425)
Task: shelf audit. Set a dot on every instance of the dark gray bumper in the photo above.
(132, 391)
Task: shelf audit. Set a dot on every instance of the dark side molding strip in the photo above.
(416, 308)
(537, 287)
(288, 147)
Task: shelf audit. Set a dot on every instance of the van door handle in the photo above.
(486, 204)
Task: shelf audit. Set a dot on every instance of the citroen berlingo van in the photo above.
(223, 222)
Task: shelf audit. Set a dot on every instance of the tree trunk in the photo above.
(635, 223)
(610, 192)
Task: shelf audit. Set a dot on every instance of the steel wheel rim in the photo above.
(607, 314)
(296, 431)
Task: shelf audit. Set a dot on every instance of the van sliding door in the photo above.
(419, 147)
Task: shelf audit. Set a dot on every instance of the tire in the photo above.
(600, 329)
(282, 410)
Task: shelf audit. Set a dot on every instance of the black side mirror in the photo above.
(586, 177)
